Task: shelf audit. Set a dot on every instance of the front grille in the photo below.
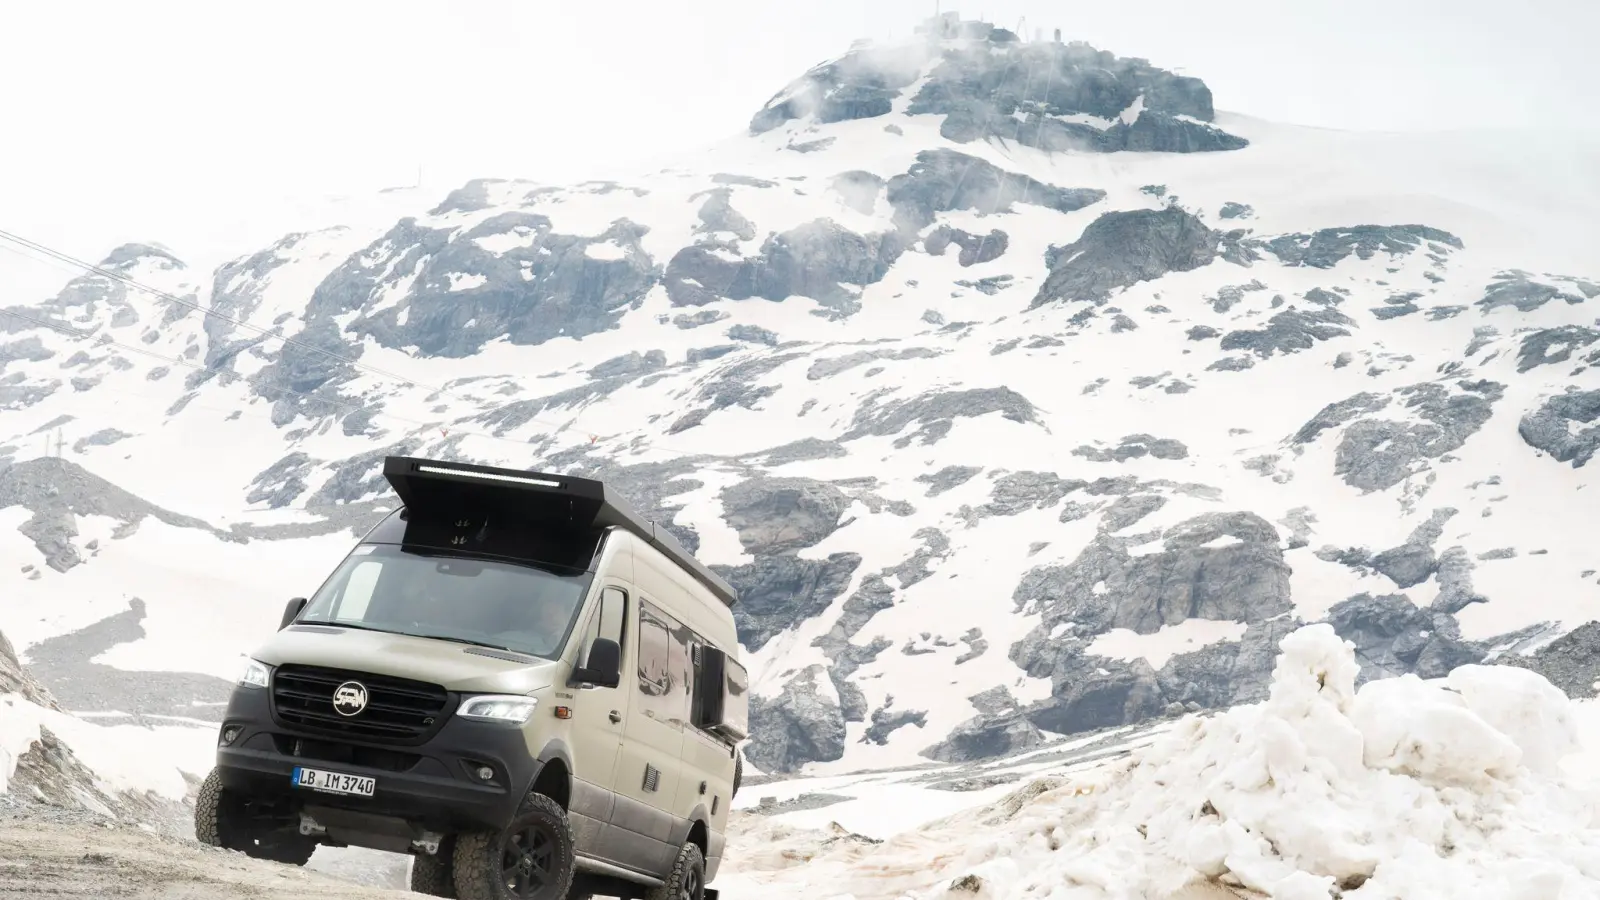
(346, 753)
(398, 710)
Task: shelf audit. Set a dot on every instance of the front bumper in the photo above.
(433, 785)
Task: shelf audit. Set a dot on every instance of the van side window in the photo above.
(605, 622)
(663, 665)
(654, 674)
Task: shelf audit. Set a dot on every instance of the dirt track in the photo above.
(44, 860)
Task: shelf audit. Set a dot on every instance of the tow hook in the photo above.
(428, 843)
(311, 827)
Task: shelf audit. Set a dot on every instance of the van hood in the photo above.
(439, 662)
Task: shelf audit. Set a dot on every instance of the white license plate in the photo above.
(334, 782)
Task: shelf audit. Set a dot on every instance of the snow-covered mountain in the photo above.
(1019, 392)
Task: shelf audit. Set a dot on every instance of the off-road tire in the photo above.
(217, 822)
(479, 855)
(435, 875)
(738, 771)
(687, 881)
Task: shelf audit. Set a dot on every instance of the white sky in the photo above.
(180, 121)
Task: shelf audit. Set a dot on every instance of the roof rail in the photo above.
(435, 487)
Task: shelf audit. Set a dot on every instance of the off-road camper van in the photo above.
(513, 677)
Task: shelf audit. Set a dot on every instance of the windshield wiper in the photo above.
(462, 640)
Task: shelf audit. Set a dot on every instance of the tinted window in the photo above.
(384, 588)
(663, 665)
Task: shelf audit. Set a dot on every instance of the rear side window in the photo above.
(663, 665)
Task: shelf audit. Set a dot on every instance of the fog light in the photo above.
(485, 773)
(230, 734)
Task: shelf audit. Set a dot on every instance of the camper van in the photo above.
(514, 678)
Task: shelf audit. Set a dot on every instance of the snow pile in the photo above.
(1404, 789)
(122, 758)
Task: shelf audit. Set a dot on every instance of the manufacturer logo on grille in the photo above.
(350, 698)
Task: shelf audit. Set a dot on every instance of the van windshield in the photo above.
(381, 587)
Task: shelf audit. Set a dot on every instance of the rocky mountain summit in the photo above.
(1019, 391)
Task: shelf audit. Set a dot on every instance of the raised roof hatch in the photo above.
(435, 490)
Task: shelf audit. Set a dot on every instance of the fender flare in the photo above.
(554, 749)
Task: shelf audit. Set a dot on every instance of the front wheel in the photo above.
(434, 875)
(534, 858)
(686, 881)
(225, 819)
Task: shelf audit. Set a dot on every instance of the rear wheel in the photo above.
(224, 819)
(532, 859)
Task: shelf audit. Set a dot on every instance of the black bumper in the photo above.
(433, 785)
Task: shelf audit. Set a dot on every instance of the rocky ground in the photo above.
(52, 852)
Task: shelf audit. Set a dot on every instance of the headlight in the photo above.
(255, 674)
(498, 708)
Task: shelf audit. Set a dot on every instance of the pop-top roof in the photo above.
(433, 488)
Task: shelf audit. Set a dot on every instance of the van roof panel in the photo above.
(430, 487)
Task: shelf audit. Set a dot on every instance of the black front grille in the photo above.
(398, 710)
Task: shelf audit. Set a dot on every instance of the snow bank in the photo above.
(123, 757)
(1405, 789)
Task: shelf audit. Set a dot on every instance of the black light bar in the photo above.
(436, 489)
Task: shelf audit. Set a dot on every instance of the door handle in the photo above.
(615, 716)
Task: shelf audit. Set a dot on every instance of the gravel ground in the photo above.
(55, 852)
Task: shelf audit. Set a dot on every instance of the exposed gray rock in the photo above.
(816, 259)
(1328, 247)
(1227, 672)
(858, 189)
(57, 491)
(103, 437)
(935, 413)
(1222, 566)
(282, 483)
(974, 248)
(1394, 636)
(776, 518)
(1290, 331)
(994, 284)
(999, 729)
(1335, 415)
(753, 334)
(833, 365)
(1231, 364)
(782, 515)
(1570, 662)
(28, 349)
(799, 726)
(863, 84)
(718, 215)
(1413, 562)
(1555, 345)
(65, 664)
(1135, 446)
(1376, 454)
(1397, 305)
(944, 180)
(464, 295)
(887, 721)
(1201, 332)
(802, 450)
(947, 478)
(470, 197)
(1018, 492)
(699, 318)
(1517, 290)
(1125, 511)
(631, 365)
(977, 645)
(1123, 248)
(744, 180)
(1556, 427)
(1035, 94)
(733, 385)
(1231, 210)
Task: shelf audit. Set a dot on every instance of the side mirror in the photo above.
(605, 665)
(292, 611)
